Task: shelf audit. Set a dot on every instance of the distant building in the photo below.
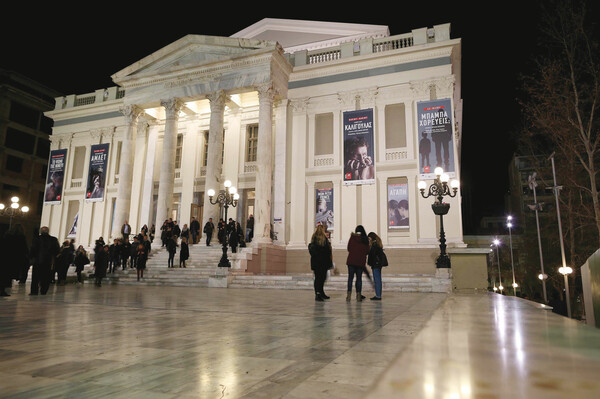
(523, 170)
(24, 146)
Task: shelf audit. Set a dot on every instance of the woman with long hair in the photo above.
(320, 260)
(358, 248)
(375, 260)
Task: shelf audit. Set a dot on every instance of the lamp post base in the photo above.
(224, 262)
(442, 262)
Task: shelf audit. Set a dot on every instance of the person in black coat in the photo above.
(142, 257)
(43, 253)
(62, 262)
(376, 259)
(184, 252)
(171, 248)
(15, 263)
(209, 227)
(194, 230)
(320, 260)
(234, 235)
(101, 264)
(81, 259)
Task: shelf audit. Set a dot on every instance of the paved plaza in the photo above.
(179, 342)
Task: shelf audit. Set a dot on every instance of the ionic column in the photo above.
(264, 165)
(131, 113)
(167, 165)
(214, 161)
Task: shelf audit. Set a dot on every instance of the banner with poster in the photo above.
(435, 129)
(97, 173)
(398, 206)
(359, 159)
(55, 176)
(73, 229)
(324, 208)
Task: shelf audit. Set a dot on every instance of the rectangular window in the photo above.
(14, 164)
(395, 126)
(19, 141)
(178, 151)
(252, 143)
(118, 160)
(43, 148)
(324, 134)
(205, 157)
(24, 115)
(78, 162)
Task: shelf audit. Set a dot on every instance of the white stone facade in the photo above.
(157, 118)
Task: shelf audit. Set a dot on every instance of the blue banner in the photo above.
(97, 173)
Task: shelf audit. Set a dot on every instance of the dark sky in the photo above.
(75, 51)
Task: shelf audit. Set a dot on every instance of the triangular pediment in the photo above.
(189, 52)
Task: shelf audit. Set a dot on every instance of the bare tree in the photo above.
(561, 109)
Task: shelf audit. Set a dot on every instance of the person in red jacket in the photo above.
(358, 249)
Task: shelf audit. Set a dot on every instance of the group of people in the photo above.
(229, 232)
(363, 249)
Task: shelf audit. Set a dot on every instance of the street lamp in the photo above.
(564, 270)
(514, 284)
(14, 209)
(496, 243)
(439, 189)
(226, 198)
(537, 207)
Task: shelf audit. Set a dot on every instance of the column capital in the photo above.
(266, 91)
(217, 100)
(131, 113)
(172, 107)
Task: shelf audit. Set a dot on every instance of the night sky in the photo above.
(77, 54)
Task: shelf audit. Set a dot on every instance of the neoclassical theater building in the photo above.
(312, 122)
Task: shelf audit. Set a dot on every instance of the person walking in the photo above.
(81, 259)
(209, 227)
(234, 236)
(63, 261)
(194, 230)
(101, 264)
(185, 233)
(43, 253)
(171, 249)
(184, 252)
(358, 248)
(142, 257)
(320, 261)
(376, 259)
(126, 231)
(15, 255)
(250, 228)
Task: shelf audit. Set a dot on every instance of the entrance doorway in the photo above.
(196, 211)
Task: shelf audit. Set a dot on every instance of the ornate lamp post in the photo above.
(13, 210)
(226, 198)
(439, 189)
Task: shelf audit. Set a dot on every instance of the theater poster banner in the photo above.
(435, 137)
(359, 160)
(55, 177)
(398, 206)
(324, 207)
(97, 173)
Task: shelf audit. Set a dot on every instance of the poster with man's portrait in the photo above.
(359, 158)
(398, 206)
(435, 129)
(97, 173)
(324, 207)
(55, 176)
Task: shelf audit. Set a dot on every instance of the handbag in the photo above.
(384, 261)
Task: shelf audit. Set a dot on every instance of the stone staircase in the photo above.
(397, 283)
(200, 268)
(202, 271)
